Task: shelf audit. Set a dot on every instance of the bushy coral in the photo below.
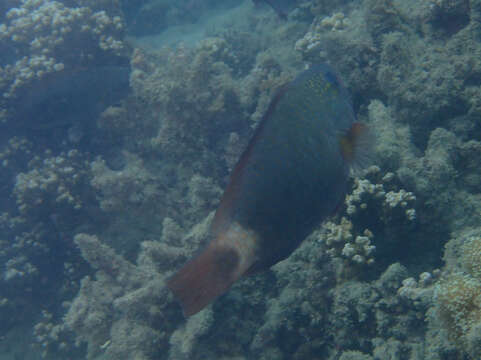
(396, 203)
(458, 294)
(23, 248)
(123, 299)
(197, 96)
(378, 216)
(55, 182)
(434, 176)
(50, 36)
(132, 186)
(182, 341)
(459, 305)
(341, 242)
(471, 254)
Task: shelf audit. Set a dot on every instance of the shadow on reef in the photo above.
(59, 110)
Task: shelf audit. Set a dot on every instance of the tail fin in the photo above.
(204, 278)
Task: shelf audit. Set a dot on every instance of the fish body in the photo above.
(292, 175)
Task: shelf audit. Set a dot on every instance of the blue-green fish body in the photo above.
(292, 175)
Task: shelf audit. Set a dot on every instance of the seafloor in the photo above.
(107, 189)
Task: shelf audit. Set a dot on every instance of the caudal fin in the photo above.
(204, 278)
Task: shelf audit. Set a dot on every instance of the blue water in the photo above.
(120, 123)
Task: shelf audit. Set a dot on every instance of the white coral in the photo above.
(42, 26)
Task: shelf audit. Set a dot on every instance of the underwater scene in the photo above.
(240, 179)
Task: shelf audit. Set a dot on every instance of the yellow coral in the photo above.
(338, 233)
(471, 254)
(459, 305)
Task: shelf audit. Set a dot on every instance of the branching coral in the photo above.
(50, 36)
(116, 312)
(133, 186)
(375, 206)
(341, 242)
(56, 182)
(395, 204)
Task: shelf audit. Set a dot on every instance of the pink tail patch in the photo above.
(204, 278)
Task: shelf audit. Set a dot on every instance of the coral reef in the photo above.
(127, 301)
(457, 302)
(52, 183)
(377, 218)
(110, 307)
(133, 182)
(340, 241)
(460, 309)
(50, 36)
(371, 283)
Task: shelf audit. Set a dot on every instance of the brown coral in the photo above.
(471, 253)
(459, 306)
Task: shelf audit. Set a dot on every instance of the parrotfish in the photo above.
(292, 175)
